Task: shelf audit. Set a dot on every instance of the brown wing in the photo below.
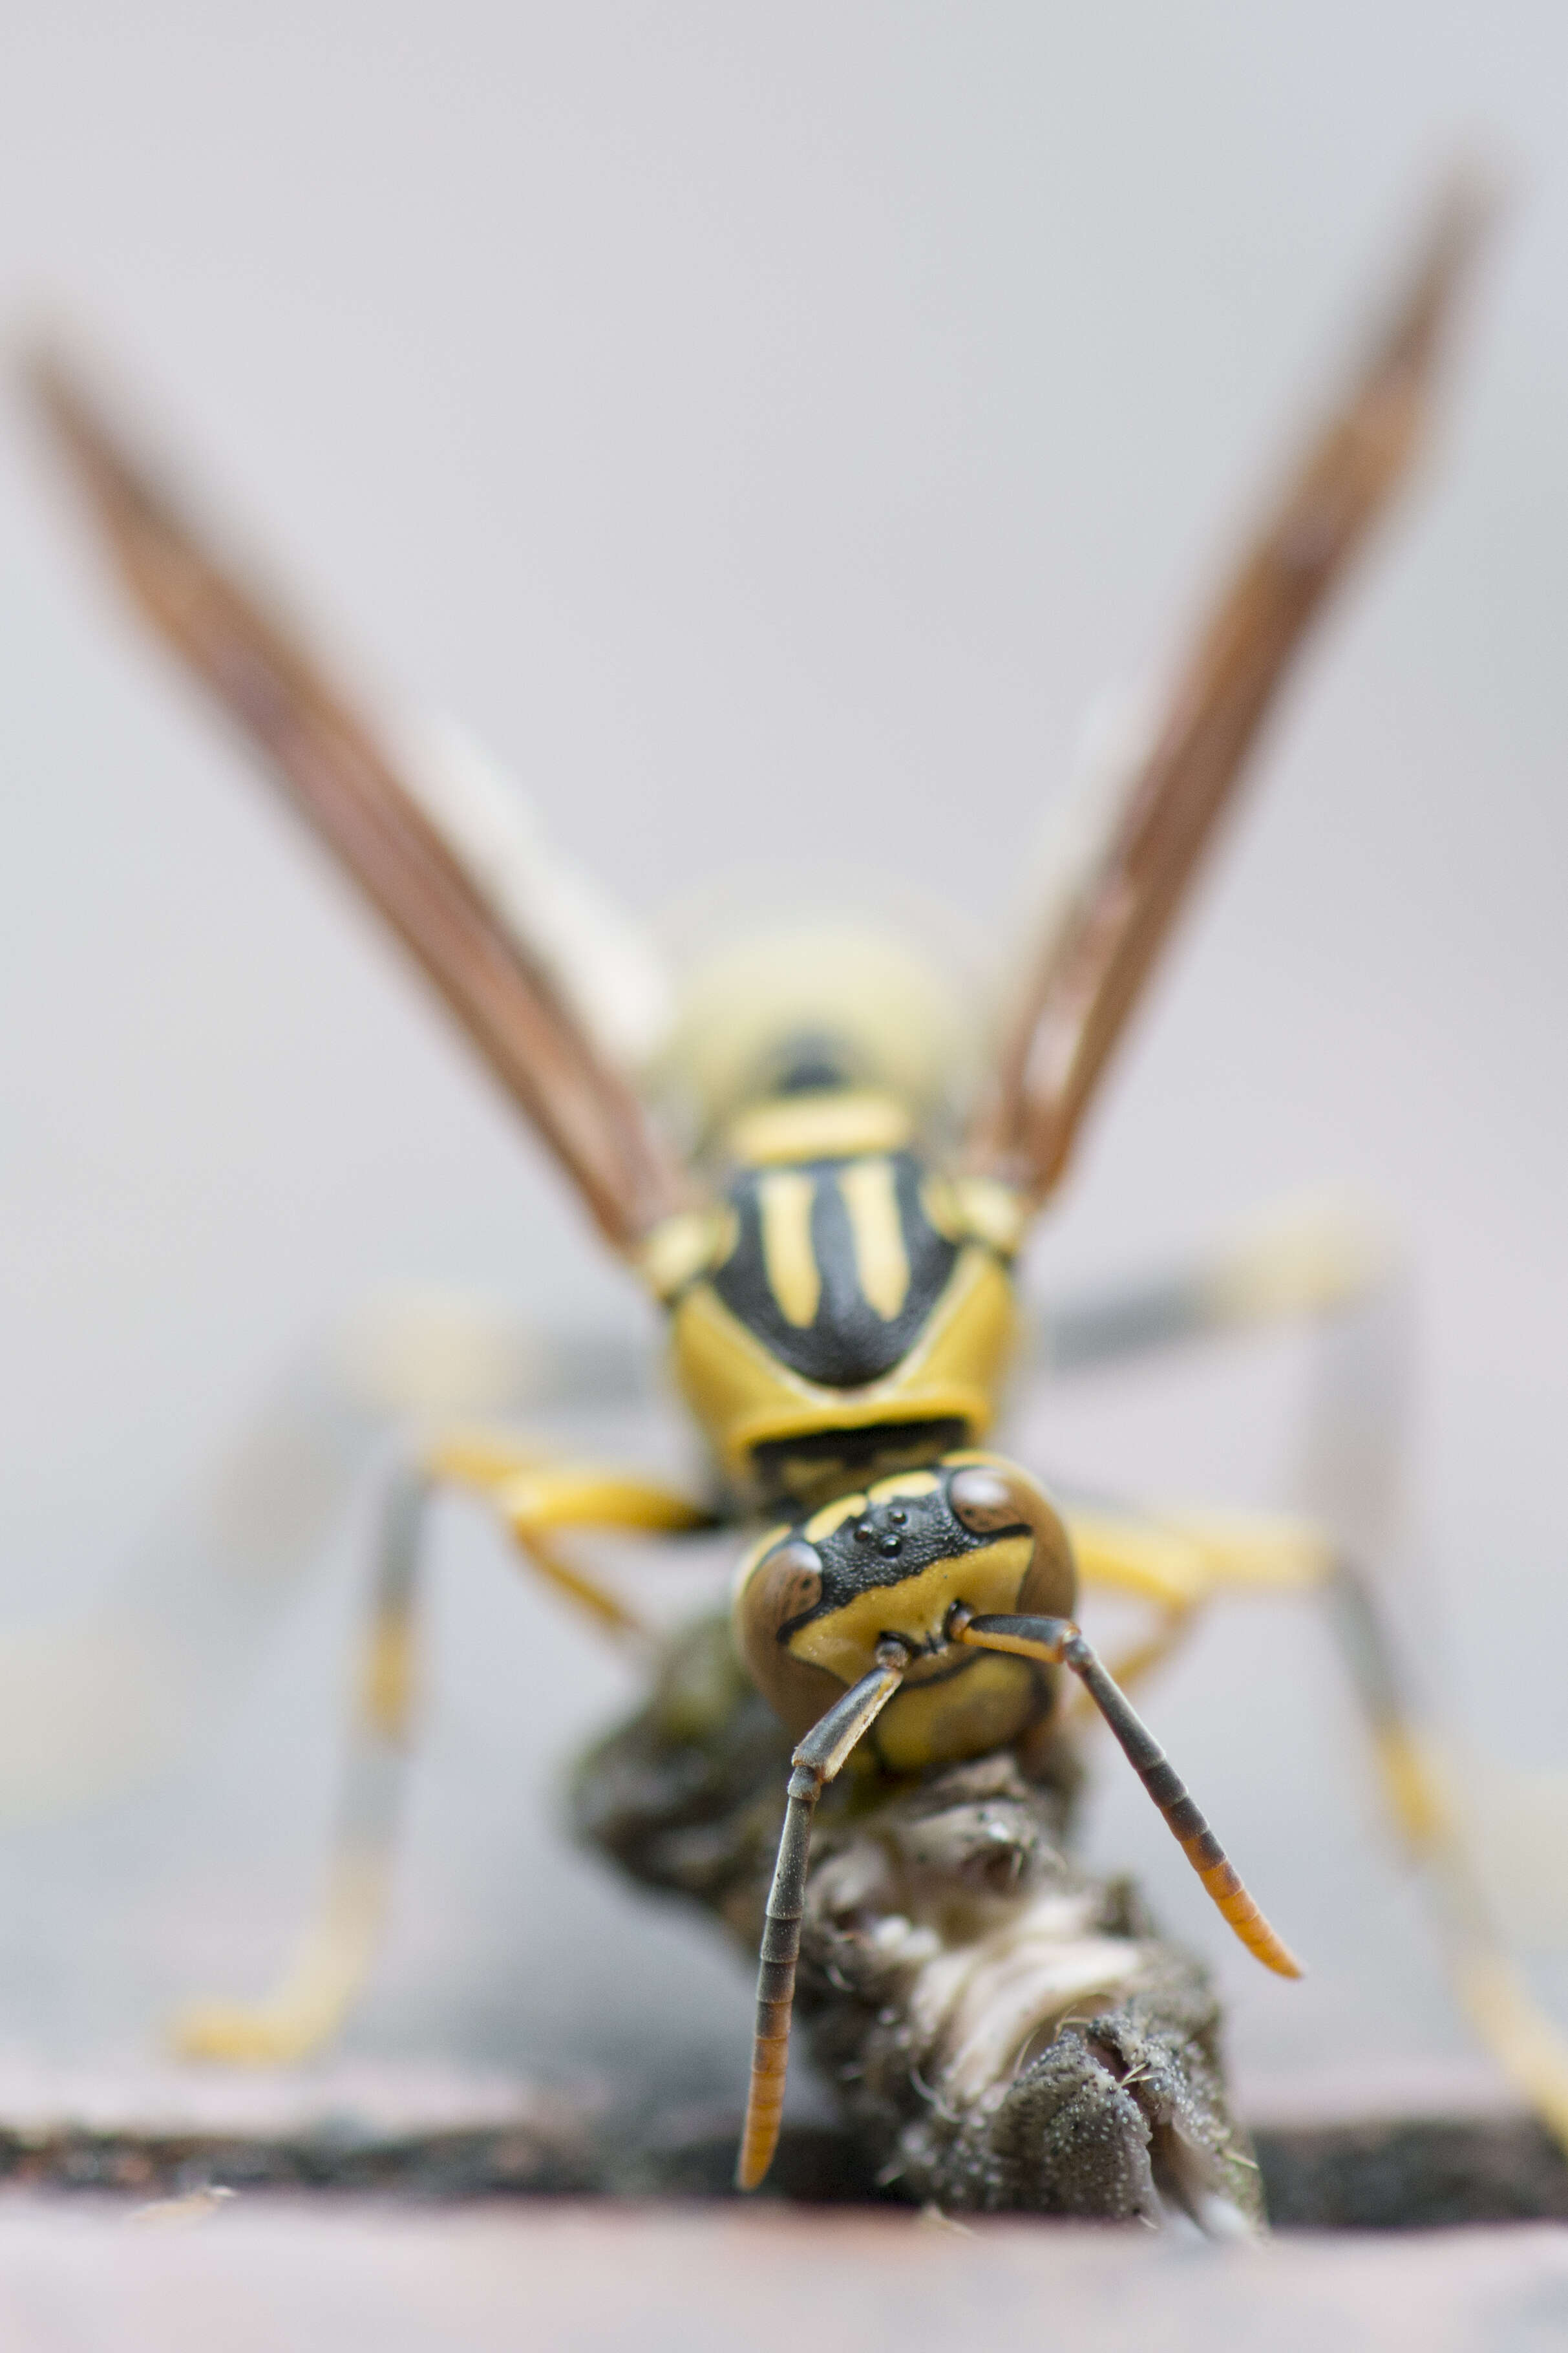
(328, 759)
(1092, 969)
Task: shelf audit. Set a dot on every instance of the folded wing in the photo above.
(1131, 873)
(350, 786)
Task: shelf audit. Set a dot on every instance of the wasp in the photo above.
(838, 1270)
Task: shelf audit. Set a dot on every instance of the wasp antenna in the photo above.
(1058, 1642)
(818, 1758)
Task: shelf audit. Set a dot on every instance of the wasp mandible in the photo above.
(838, 1277)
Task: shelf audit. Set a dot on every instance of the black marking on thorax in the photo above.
(848, 1340)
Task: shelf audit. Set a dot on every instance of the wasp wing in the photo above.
(1155, 814)
(606, 965)
(349, 783)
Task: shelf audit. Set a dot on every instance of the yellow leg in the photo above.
(1181, 1561)
(1417, 1784)
(1178, 1561)
(533, 1496)
(310, 2001)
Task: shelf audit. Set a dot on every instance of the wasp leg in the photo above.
(309, 2003)
(1492, 1991)
(1178, 1561)
(535, 1496)
(1181, 1562)
(1304, 1261)
(1417, 1786)
(817, 1761)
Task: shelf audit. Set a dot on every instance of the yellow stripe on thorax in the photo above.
(783, 1203)
(881, 1262)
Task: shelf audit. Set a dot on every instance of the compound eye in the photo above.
(786, 1586)
(983, 1500)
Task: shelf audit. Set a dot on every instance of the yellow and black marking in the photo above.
(836, 1265)
(844, 1313)
(815, 1601)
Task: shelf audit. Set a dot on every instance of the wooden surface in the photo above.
(249, 2276)
(168, 2209)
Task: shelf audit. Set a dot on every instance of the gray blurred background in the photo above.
(768, 429)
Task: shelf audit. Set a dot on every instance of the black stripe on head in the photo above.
(899, 1537)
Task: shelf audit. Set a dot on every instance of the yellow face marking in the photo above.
(784, 1202)
(833, 1515)
(881, 1261)
(985, 1707)
(844, 1641)
(904, 1482)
